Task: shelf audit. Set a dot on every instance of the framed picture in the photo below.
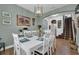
(33, 21)
(23, 20)
(6, 17)
(6, 14)
(6, 20)
(59, 23)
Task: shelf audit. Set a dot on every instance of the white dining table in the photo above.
(32, 44)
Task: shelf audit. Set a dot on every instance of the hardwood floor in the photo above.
(7, 52)
(63, 47)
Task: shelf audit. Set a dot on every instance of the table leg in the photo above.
(3, 46)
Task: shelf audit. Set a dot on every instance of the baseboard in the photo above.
(7, 47)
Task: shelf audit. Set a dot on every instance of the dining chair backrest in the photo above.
(35, 33)
(16, 44)
(27, 33)
(51, 40)
(45, 45)
(46, 35)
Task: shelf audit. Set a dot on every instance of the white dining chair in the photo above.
(43, 49)
(51, 44)
(51, 41)
(18, 50)
(16, 44)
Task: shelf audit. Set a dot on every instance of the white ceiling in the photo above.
(46, 7)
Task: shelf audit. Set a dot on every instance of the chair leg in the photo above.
(14, 52)
(0, 52)
(33, 52)
(4, 46)
(50, 51)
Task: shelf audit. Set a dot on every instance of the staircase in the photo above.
(67, 31)
(70, 32)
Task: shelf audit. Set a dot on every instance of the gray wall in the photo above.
(7, 30)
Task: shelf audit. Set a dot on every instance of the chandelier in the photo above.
(38, 10)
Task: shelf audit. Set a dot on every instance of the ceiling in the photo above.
(46, 7)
